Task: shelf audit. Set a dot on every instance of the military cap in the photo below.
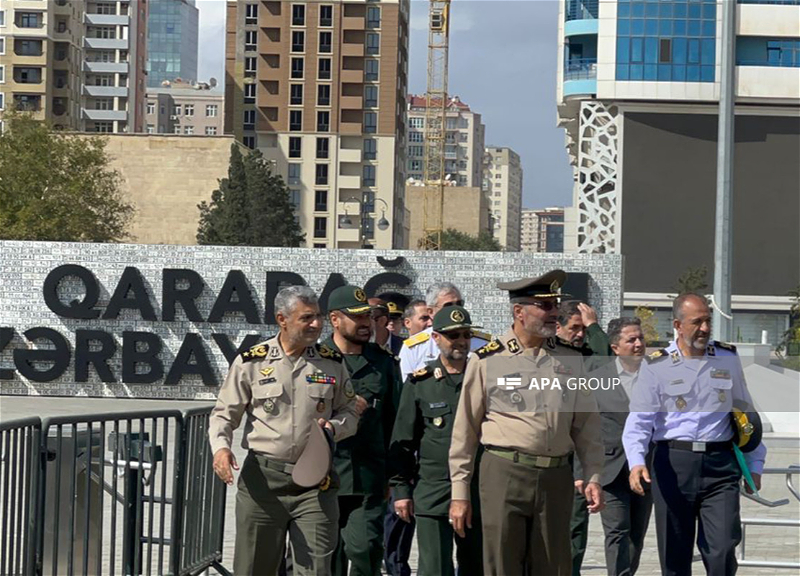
(350, 299)
(452, 318)
(747, 427)
(315, 461)
(395, 302)
(545, 286)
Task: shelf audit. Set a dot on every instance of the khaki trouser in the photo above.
(525, 514)
(268, 504)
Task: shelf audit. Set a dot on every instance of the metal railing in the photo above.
(122, 493)
(581, 10)
(580, 69)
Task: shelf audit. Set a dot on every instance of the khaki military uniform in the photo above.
(529, 434)
(281, 398)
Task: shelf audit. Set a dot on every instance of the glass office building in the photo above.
(172, 33)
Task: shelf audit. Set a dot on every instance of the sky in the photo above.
(503, 56)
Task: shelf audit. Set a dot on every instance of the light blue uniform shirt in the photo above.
(680, 398)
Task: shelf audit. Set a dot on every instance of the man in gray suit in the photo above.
(627, 514)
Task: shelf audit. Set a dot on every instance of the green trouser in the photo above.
(579, 529)
(435, 540)
(268, 504)
(360, 535)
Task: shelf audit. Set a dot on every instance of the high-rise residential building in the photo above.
(638, 92)
(40, 60)
(542, 230)
(172, 36)
(464, 141)
(503, 185)
(182, 108)
(319, 88)
(115, 59)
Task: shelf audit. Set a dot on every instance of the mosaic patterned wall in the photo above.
(60, 354)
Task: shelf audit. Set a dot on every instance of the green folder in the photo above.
(745, 469)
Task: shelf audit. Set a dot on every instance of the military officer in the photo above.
(283, 387)
(396, 303)
(361, 460)
(420, 348)
(529, 428)
(682, 402)
(420, 446)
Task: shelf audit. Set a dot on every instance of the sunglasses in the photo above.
(464, 335)
(454, 303)
(545, 305)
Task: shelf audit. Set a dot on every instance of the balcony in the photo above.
(352, 76)
(352, 49)
(351, 102)
(581, 10)
(105, 91)
(350, 182)
(105, 43)
(580, 76)
(106, 67)
(106, 20)
(350, 155)
(105, 115)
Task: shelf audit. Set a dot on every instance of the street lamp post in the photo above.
(383, 223)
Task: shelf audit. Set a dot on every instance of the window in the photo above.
(28, 47)
(176, 109)
(298, 41)
(105, 127)
(415, 165)
(368, 175)
(25, 75)
(249, 142)
(371, 70)
(370, 122)
(373, 43)
(294, 198)
(249, 94)
(323, 121)
(151, 129)
(416, 123)
(324, 95)
(2, 45)
(28, 19)
(250, 65)
(2, 73)
(320, 200)
(370, 96)
(2, 101)
(416, 137)
(415, 151)
(250, 40)
(298, 15)
(373, 17)
(211, 110)
(105, 8)
(326, 15)
(211, 130)
(188, 110)
(370, 149)
(297, 68)
(324, 70)
(295, 146)
(251, 14)
(2, 18)
(176, 129)
(316, 244)
(325, 42)
(293, 175)
(188, 129)
(321, 174)
(249, 120)
(295, 120)
(322, 148)
(665, 51)
(295, 94)
(151, 107)
(320, 227)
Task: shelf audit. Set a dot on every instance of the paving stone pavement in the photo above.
(763, 543)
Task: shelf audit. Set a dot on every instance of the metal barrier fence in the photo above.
(122, 493)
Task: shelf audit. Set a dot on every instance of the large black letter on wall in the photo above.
(192, 346)
(276, 281)
(334, 281)
(59, 356)
(76, 309)
(171, 295)
(131, 357)
(235, 283)
(84, 356)
(224, 343)
(131, 280)
(6, 336)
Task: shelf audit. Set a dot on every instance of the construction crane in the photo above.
(435, 124)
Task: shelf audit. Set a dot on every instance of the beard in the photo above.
(456, 354)
(359, 335)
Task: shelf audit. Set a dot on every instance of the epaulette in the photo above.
(421, 374)
(417, 338)
(482, 335)
(725, 346)
(492, 347)
(658, 354)
(326, 351)
(257, 351)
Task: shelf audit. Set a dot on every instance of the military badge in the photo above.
(419, 372)
(562, 369)
(320, 378)
(438, 421)
(457, 316)
(269, 405)
(721, 395)
(551, 343)
(325, 484)
(266, 381)
(348, 390)
(437, 373)
(676, 357)
(680, 403)
(259, 351)
(275, 353)
(513, 346)
(515, 397)
(711, 351)
(321, 406)
(555, 288)
(310, 352)
(267, 371)
(359, 295)
(722, 374)
(437, 405)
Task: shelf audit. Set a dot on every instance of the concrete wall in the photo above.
(465, 208)
(25, 266)
(166, 177)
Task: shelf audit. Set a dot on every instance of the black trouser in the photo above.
(398, 536)
(625, 519)
(579, 532)
(696, 493)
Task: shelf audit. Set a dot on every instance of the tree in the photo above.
(789, 346)
(453, 239)
(646, 315)
(251, 207)
(693, 279)
(58, 186)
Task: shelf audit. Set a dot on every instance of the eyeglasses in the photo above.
(465, 335)
(453, 303)
(546, 305)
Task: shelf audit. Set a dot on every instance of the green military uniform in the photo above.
(360, 461)
(420, 447)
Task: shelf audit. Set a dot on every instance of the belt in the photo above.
(697, 446)
(528, 459)
(284, 467)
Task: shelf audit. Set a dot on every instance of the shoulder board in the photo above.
(482, 335)
(380, 349)
(418, 338)
(725, 346)
(492, 347)
(657, 355)
(256, 352)
(421, 374)
(326, 351)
